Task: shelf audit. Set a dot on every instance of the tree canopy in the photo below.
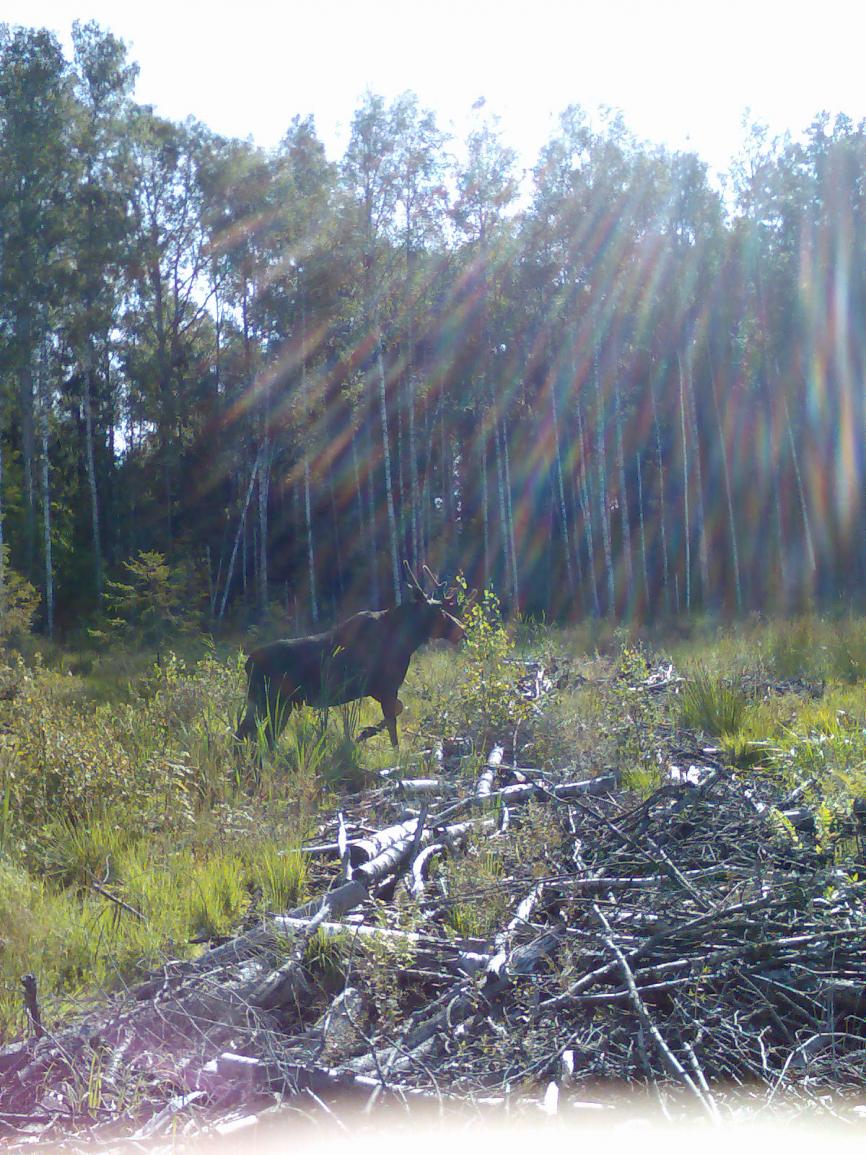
(604, 388)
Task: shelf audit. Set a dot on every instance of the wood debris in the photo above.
(696, 942)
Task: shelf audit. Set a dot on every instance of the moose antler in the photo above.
(432, 578)
(413, 583)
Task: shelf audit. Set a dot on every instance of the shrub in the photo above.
(490, 706)
(19, 602)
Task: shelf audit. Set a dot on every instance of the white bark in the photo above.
(500, 488)
(308, 513)
(777, 502)
(560, 487)
(413, 473)
(386, 457)
(2, 515)
(726, 475)
(485, 502)
(238, 536)
(601, 468)
(801, 493)
(687, 529)
(586, 510)
(46, 493)
(264, 488)
(311, 552)
(515, 584)
(662, 523)
(703, 548)
(372, 530)
(91, 477)
(644, 567)
(623, 493)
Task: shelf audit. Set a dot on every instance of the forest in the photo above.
(613, 405)
(607, 386)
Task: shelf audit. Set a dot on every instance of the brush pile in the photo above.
(698, 942)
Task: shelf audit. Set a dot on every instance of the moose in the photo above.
(365, 656)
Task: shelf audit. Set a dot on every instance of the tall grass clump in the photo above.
(78, 854)
(846, 650)
(712, 705)
(218, 896)
(795, 648)
(278, 874)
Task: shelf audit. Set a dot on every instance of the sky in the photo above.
(684, 72)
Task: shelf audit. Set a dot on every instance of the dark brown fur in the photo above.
(365, 656)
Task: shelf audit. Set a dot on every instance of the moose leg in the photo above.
(247, 726)
(391, 707)
(264, 704)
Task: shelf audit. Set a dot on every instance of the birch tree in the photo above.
(485, 189)
(34, 154)
(420, 198)
(370, 177)
(104, 81)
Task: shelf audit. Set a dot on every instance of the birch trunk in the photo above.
(46, 494)
(401, 505)
(701, 527)
(425, 482)
(586, 509)
(503, 517)
(775, 467)
(662, 522)
(264, 489)
(445, 457)
(386, 457)
(686, 518)
(515, 581)
(308, 512)
(254, 551)
(91, 474)
(240, 535)
(560, 488)
(485, 502)
(601, 471)
(623, 493)
(729, 501)
(311, 553)
(2, 543)
(261, 553)
(801, 493)
(28, 439)
(644, 567)
(413, 473)
(244, 564)
(373, 528)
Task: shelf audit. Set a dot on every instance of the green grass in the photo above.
(712, 705)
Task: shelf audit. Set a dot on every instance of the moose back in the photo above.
(365, 656)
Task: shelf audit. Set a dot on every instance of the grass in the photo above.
(713, 705)
(133, 826)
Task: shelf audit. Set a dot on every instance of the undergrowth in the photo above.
(134, 827)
